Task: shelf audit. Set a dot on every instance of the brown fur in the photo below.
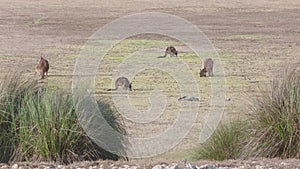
(122, 82)
(43, 67)
(208, 66)
(171, 51)
(203, 72)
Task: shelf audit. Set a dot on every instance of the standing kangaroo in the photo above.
(208, 67)
(122, 82)
(42, 68)
(170, 51)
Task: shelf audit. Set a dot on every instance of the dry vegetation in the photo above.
(255, 41)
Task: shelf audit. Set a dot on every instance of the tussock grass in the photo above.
(272, 130)
(12, 94)
(225, 143)
(276, 120)
(39, 123)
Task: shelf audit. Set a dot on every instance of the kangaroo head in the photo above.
(203, 72)
(176, 53)
(130, 87)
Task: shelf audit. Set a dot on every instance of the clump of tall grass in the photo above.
(39, 123)
(226, 142)
(12, 93)
(276, 120)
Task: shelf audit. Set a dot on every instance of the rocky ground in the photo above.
(141, 164)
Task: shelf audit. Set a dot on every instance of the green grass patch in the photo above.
(39, 22)
(129, 46)
(189, 57)
(72, 55)
(245, 37)
(225, 143)
(119, 51)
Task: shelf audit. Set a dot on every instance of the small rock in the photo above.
(5, 167)
(206, 166)
(60, 167)
(283, 163)
(45, 167)
(157, 167)
(164, 165)
(15, 166)
(259, 167)
(173, 167)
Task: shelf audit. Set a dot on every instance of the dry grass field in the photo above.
(255, 40)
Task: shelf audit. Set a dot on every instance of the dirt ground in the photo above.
(256, 40)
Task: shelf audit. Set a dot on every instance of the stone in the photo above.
(173, 167)
(15, 166)
(157, 167)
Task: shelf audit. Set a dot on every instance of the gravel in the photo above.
(261, 163)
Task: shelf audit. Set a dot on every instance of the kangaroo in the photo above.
(208, 67)
(42, 68)
(203, 72)
(122, 82)
(170, 51)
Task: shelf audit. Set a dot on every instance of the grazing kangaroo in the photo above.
(208, 67)
(43, 67)
(122, 82)
(170, 51)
